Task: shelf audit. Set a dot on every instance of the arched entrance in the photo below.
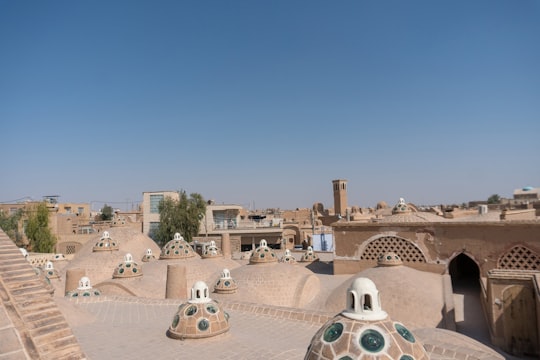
(464, 272)
(469, 314)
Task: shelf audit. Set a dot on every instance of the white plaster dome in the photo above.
(148, 256)
(364, 331)
(177, 248)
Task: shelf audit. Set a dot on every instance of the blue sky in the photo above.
(265, 103)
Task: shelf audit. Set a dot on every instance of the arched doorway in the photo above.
(464, 272)
(469, 314)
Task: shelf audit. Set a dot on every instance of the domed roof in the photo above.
(364, 330)
(100, 265)
(84, 290)
(226, 284)
(263, 254)
(128, 268)
(401, 207)
(309, 255)
(389, 259)
(200, 317)
(148, 256)
(177, 248)
(50, 271)
(44, 279)
(211, 251)
(288, 257)
(274, 284)
(403, 298)
(105, 243)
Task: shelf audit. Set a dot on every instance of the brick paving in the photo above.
(127, 328)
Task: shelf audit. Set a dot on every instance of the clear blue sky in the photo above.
(264, 103)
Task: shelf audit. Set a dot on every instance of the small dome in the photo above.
(364, 330)
(288, 257)
(84, 289)
(382, 205)
(211, 251)
(44, 279)
(50, 271)
(148, 256)
(226, 284)
(177, 248)
(528, 188)
(128, 268)
(105, 243)
(309, 255)
(389, 259)
(401, 207)
(200, 317)
(263, 254)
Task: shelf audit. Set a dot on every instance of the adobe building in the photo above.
(501, 257)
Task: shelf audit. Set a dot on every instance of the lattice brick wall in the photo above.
(404, 248)
(519, 258)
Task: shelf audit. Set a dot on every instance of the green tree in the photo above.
(106, 213)
(182, 216)
(10, 225)
(494, 199)
(37, 229)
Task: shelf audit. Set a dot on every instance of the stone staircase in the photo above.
(31, 325)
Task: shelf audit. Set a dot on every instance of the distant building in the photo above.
(151, 200)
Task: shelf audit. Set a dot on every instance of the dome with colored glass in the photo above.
(105, 243)
(309, 255)
(84, 290)
(364, 331)
(177, 248)
(389, 259)
(211, 251)
(200, 317)
(263, 254)
(128, 268)
(288, 257)
(148, 256)
(50, 271)
(401, 207)
(226, 284)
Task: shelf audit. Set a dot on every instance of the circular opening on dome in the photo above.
(218, 282)
(388, 257)
(186, 251)
(372, 340)
(74, 294)
(176, 252)
(86, 294)
(128, 265)
(404, 332)
(262, 256)
(175, 321)
(50, 273)
(227, 283)
(346, 357)
(121, 270)
(211, 309)
(190, 311)
(172, 246)
(203, 325)
(333, 332)
(227, 316)
(167, 252)
(406, 357)
(97, 293)
(134, 270)
(273, 255)
(101, 244)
